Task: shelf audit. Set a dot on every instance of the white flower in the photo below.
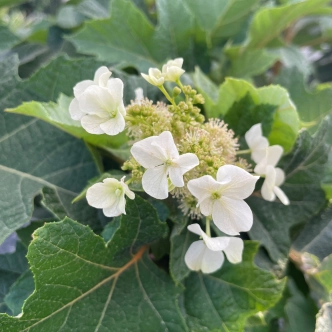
(139, 96)
(272, 156)
(102, 107)
(101, 78)
(109, 196)
(274, 177)
(172, 70)
(154, 77)
(207, 254)
(256, 142)
(161, 158)
(224, 198)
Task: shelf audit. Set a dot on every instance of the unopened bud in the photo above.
(176, 92)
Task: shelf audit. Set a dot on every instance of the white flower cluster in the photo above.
(266, 158)
(98, 105)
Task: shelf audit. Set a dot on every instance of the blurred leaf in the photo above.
(19, 291)
(68, 17)
(11, 267)
(222, 301)
(323, 274)
(251, 63)
(316, 236)
(268, 23)
(7, 38)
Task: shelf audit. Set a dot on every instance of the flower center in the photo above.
(168, 162)
(215, 195)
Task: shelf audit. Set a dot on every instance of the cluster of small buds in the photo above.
(267, 157)
(176, 151)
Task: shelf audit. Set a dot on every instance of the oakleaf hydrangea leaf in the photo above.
(222, 301)
(99, 287)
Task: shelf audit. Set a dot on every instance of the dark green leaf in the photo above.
(222, 301)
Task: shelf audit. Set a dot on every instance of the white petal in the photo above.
(178, 62)
(217, 243)
(75, 111)
(232, 216)
(241, 184)
(116, 209)
(272, 157)
(202, 186)
(166, 142)
(194, 255)
(80, 87)
(254, 132)
(176, 176)
(147, 78)
(102, 75)
(91, 123)
(155, 182)
(98, 101)
(173, 73)
(234, 250)
(114, 125)
(212, 261)
(280, 176)
(139, 96)
(146, 154)
(206, 205)
(196, 229)
(115, 87)
(187, 162)
(102, 195)
(281, 195)
(269, 184)
(258, 155)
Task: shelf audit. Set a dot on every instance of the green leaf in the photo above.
(324, 318)
(285, 119)
(316, 236)
(323, 274)
(11, 267)
(180, 240)
(4, 3)
(304, 168)
(222, 301)
(268, 23)
(251, 63)
(7, 38)
(93, 284)
(221, 19)
(313, 104)
(131, 45)
(33, 154)
(19, 291)
(58, 115)
(68, 17)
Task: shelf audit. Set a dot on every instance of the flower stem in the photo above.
(170, 99)
(243, 151)
(207, 226)
(178, 82)
(129, 181)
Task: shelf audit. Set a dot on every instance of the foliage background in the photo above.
(233, 51)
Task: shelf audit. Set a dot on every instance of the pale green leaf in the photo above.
(222, 301)
(268, 23)
(7, 38)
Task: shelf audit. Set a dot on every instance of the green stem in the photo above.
(243, 151)
(308, 124)
(170, 99)
(207, 227)
(178, 82)
(129, 181)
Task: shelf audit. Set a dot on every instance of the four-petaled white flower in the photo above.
(100, 106)
(155, 77)
(256, 142)
(101, 78)
(172, 70)
(272, 156)
(207, 254)
(109, 196)
(274, 177)
(161, 158)
(224, 198)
